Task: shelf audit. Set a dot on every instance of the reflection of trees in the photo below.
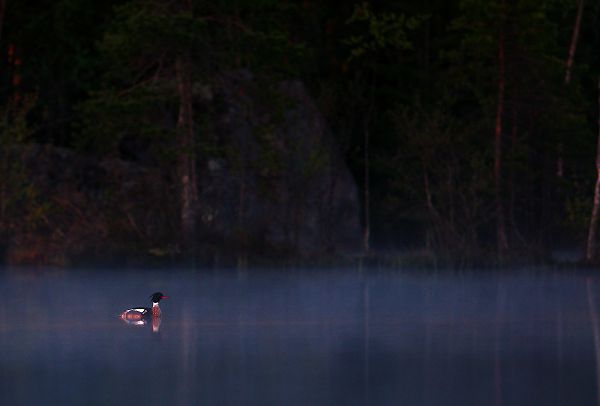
(366, 315)
(596, 332)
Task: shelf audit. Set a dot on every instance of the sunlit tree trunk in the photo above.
(590, 251)
(573, 46)
(187, 158)
(502, 243)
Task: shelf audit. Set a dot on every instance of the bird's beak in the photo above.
(164, 297)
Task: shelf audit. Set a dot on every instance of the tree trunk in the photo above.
(573, 45)
(502, 243)
(367, 229)
(14, 61)
(2, 12)
(590, 251)
(512, 222)
(187, 157)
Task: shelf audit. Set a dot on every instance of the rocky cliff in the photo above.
(273, 185)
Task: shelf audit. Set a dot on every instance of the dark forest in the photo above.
(232, 131)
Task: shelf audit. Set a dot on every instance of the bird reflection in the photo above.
(155, 324)
(155, 321)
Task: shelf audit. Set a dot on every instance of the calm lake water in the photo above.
(300, 338)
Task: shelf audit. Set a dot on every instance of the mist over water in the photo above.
(300, 338)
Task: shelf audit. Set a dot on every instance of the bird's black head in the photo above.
(155, 297)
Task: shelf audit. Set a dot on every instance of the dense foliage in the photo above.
(451, 114)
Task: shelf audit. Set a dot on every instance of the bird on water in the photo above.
(141, 315)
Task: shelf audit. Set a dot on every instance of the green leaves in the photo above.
(150, 30)
(383, 30)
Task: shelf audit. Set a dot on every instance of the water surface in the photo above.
(338, 337)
